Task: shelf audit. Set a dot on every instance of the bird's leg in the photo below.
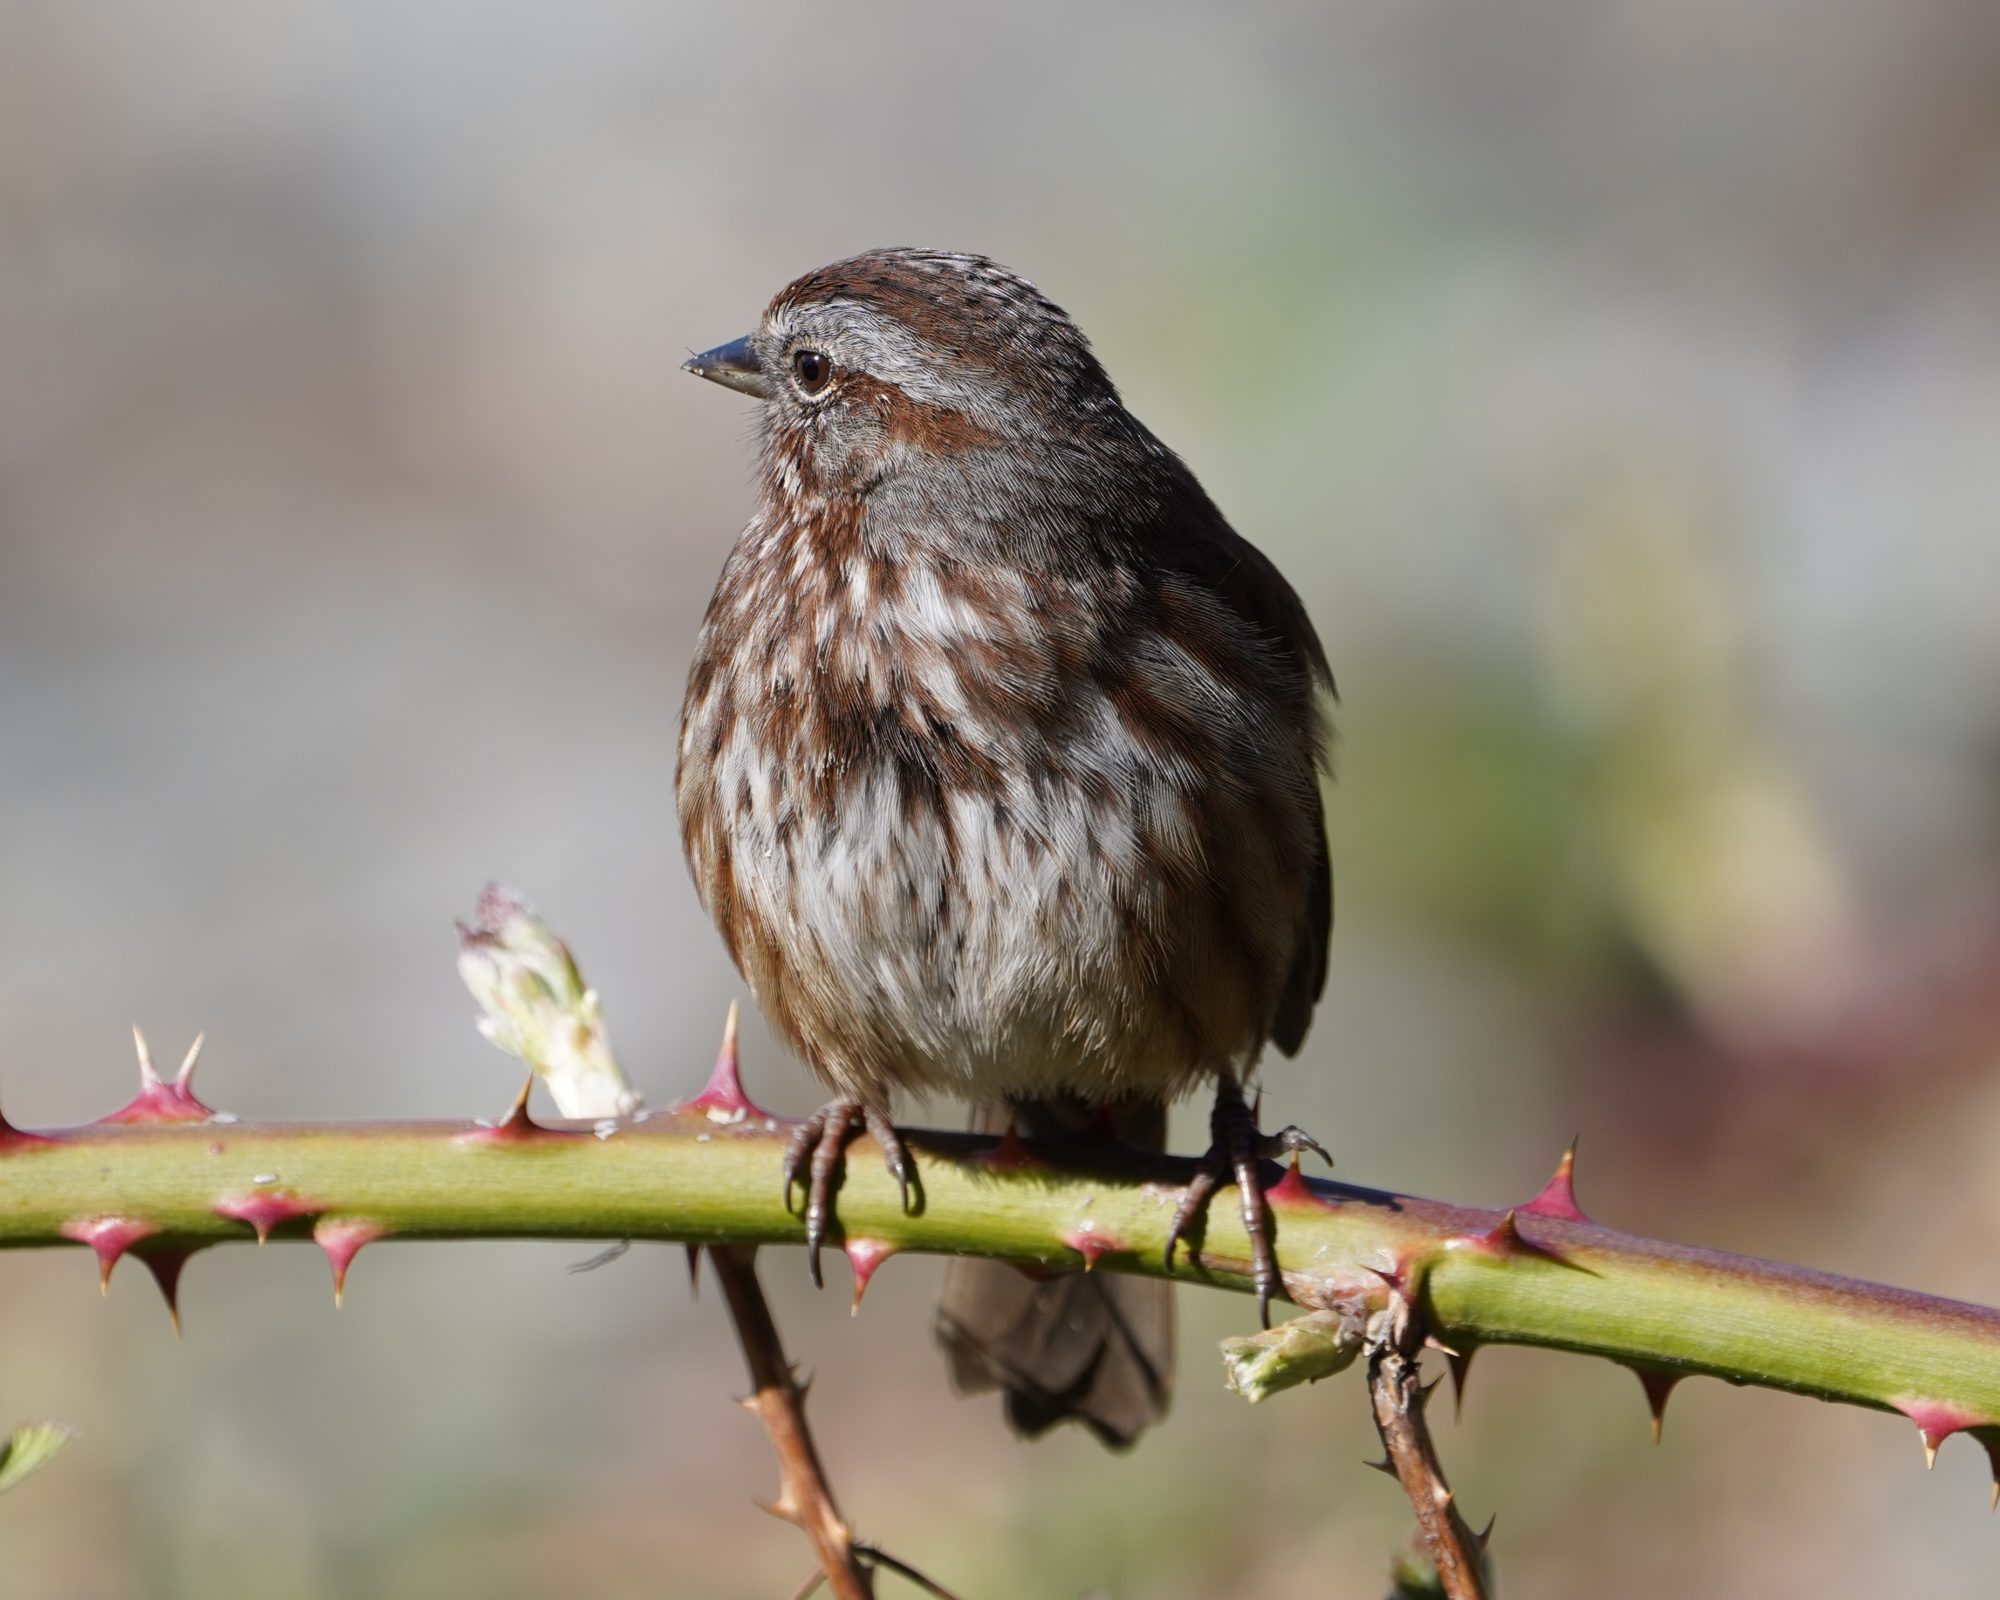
(814, 1159)
(1236, 1149)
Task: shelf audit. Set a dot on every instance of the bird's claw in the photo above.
(1235, 1153)
(816, 1154)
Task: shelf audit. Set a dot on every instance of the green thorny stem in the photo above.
(164, 1177)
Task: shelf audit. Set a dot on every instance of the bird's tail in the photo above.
(1095, 1348)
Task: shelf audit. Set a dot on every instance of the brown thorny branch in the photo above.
(805, 1498)
(1400, 1400)
(779, 1399)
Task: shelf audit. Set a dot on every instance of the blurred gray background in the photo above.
(1620, 385)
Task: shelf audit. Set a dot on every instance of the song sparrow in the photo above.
(999, 774)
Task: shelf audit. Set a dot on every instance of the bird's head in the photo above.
(922, 364)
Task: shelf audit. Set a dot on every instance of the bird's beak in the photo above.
(733, 365)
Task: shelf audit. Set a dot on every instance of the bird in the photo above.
(999, 775)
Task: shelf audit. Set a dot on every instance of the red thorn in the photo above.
(1009, 1154)
(865, 1255)
(1505, 1238)
(1558, 1196)
(110, 1237)
(517, 1127)
(158, 1100)
(342, 1239)
(1659, 1386)
(723, 1099)
(165, 1263)
(1461, 1372)
(1293, 1193)
(264, 1209)
(1938, 1420)
(14, 1141)
(1093, 1246)
(694, 1271)
(518, 1122)
(1395, 1276)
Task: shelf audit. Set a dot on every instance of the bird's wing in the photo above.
(1250, 584)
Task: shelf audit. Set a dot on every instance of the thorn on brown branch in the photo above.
(1398, 1399)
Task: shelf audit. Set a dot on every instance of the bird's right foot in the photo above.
(1237, 1152)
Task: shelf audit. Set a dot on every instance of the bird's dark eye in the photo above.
(812, 369)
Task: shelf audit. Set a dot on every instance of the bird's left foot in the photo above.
(1237, 1149)
(815, 1155)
